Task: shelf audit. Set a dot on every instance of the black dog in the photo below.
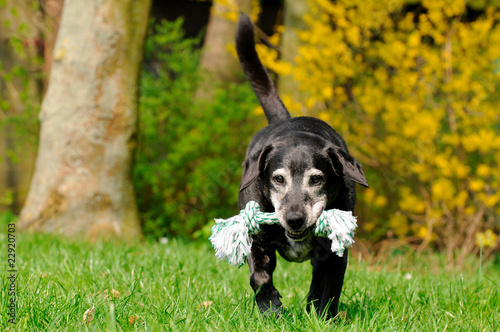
(296, 167)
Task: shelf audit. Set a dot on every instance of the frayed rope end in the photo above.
(338, 226)
(231, 240)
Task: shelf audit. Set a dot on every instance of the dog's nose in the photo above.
(295, 219)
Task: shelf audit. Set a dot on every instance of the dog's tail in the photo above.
(258, 77)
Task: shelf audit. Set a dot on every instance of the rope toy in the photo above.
(231, 237)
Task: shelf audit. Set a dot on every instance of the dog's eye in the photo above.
(279, 179)
(316, 179)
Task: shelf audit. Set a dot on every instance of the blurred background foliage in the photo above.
(414, 90)
(21, 77)
(413, 87)
(188, 163)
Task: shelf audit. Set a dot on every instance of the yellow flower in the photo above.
(399, 224)
(476, 185)
(422, 232)
(380, 201)
(410, 202)
(486, 239)
(258, 111)
(492, 200)
(443, 189)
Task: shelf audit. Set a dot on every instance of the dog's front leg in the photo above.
(328, 278)
(262, 262)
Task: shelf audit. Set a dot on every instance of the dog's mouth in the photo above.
(298, 236)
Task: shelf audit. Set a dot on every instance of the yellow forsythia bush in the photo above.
(415, 91)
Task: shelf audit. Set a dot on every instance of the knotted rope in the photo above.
(231, 237)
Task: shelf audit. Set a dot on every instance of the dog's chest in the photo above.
(296, 251)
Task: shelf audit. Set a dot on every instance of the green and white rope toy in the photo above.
(231, 237)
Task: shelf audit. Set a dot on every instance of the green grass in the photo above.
(181, 286)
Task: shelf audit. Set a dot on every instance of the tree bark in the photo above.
(216, 61)
(52, 13)
(82, 184)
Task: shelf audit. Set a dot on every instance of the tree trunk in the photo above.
(216, 61)
(52, 13)
(82, 184)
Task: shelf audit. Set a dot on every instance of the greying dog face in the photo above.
(299, 183)
(300, 179)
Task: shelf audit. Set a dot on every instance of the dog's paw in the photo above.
(268, 301)
(270, 306)
(270, 310)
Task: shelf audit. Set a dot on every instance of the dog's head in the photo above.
(300, 179)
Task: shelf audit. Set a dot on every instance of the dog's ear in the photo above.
(252, 166)
(347, 164)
